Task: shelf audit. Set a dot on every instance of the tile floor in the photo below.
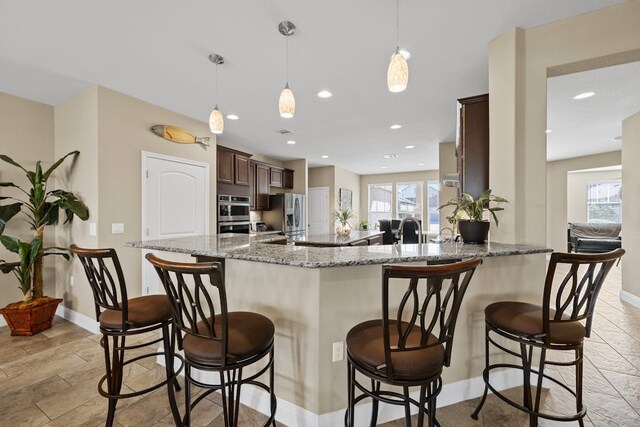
(50, 380)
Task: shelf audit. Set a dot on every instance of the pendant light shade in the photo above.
(287, 103)
(216, 121)
(397, 73)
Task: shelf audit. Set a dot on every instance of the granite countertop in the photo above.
(335, 239)
(258, 249)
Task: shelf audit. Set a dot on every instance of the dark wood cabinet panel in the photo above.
(472, 144)
(263, 179)
(377, 240)
(242, 170)
(225, 166)
(287, 179)
(252, 185)
(276, 177)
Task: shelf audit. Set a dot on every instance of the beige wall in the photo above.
(631, 204)
(577, 191)
(447, 164)
(26, 136)
(519, 63)
(393, 178)
(556, 194)
(350, 181)
(76, 128)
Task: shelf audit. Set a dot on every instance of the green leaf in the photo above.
(8, 267)
(52, 213)
(38, 188)
(7, 212)
(35, 247)
(11, 243)
(69, 202)
(58, 163)
(8, 184)
(12, 162)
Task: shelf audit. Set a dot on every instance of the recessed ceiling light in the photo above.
(617, 138)
(232, 117)
(325, 156)
(548, 131)
(584, 95)
(405, 54)
(394, 127)
(420, 164)
(391, 156)
(324, 94)
(291, 142)
(409, 147)
(384, 167)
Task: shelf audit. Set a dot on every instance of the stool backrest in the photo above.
(575, 296)
(430, 305)
(198, 298)
(109, 290)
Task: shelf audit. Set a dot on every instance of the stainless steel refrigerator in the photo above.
(286, 214)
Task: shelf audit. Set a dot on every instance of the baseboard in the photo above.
(630, 298)
(293, 415)
(79, 319)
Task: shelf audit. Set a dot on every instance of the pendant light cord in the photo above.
(216, 82)
(397, 24)
(287, 58)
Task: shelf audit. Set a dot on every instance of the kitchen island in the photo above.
(314, 295)
(355, 238)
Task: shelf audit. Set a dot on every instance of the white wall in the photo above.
(631, 205)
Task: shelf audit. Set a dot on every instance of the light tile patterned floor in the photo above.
(50, 380)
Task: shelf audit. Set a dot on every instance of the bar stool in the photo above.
(407, 350)
(556, 325)
(119, 318)
(215, 339)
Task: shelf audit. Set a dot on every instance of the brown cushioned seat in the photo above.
(365, 344)
(143, 311)
(250, 334)
(525, 319)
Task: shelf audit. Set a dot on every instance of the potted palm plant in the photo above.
(40, 207)
(468, 213)
(342, 216)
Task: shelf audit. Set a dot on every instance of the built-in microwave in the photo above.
(233, 208)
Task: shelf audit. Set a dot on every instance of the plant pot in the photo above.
(473, 231)
(26, 319)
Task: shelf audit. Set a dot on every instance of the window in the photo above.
(433, 202)
(379, 202)
(409, 199)
(603, 202)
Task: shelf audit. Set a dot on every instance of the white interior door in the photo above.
(175, 203)
(318, 210)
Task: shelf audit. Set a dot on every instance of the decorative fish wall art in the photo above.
(181, 136)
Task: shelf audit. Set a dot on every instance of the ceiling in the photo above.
(589, 126)
(158, 52)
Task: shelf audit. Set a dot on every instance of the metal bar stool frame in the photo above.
(445, 316)
(581, 298)
(186, 312)
(109, 296)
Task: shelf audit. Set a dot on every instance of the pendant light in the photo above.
(398, 71)
(216, 121)
(287, 102)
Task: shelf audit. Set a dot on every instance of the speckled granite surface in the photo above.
(257, 249)
(334, 239)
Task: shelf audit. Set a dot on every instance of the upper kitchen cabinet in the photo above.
(276, 177)
(287, 179)
(262, 191)
(472, 144)
(233, 166)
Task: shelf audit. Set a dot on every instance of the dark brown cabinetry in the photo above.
(263, 180)
(472, 144)
(252, 185)
(232, 166)
(276, 177)
(287, 179)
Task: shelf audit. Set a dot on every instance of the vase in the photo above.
(473, 231)
(26, 319)
(343, 229)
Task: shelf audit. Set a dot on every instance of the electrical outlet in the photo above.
(338, 351)
(71, 281)
(117, 228)
(93, 229)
